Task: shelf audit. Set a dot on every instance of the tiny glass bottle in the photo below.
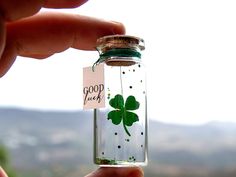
(120, 129)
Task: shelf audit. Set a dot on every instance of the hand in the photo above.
(117, 172)
(2, 172)
(39, 36)
(107, 172)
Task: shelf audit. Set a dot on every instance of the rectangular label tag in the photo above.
(93, 87)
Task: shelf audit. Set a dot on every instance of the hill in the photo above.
(48, 141)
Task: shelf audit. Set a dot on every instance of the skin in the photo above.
(2, 173)
(105, 172)
(25, 32)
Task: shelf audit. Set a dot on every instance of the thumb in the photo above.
(117, 172)
(2, 172)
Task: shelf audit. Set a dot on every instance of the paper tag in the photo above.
(93, 87)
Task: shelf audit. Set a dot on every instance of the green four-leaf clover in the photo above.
(122, 112)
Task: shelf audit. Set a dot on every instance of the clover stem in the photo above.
(126, 130)
(121, 85)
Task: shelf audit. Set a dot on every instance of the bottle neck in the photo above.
(119, 57)
(120, 52)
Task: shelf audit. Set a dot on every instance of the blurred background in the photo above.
(190, 59)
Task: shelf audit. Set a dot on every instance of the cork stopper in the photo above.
(107, 43)
(120, 41)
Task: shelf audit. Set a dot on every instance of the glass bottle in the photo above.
(120, 129)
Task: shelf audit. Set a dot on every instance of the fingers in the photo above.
(63, 3)
(117, 172)
(16, 9)
(48, 33)
(2, 35)
(2, 173)
(7, 59)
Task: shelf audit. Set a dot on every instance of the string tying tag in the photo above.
(116, 52)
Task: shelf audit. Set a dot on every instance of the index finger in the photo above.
(42, 35)
(63, 3)
(12, 10)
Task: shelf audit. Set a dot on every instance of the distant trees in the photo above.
(5, 161)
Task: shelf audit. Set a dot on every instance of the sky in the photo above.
(190, 58)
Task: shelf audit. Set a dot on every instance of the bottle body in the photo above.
(120, 129)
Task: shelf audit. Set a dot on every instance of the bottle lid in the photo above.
(120, 50)
(120, 41)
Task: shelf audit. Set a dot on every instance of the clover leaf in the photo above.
(122, 112)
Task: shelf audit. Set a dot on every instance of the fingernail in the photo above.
(116, 22)
(2, 172)
(119, 28)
